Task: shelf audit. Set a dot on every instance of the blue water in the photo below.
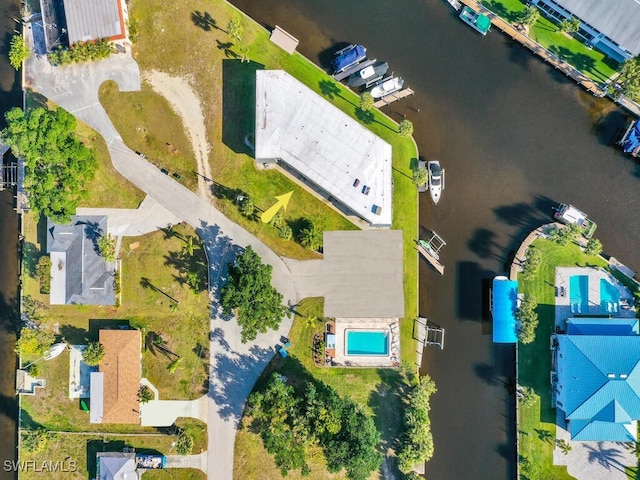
(363, 342)
(579, 293)
(609, 297)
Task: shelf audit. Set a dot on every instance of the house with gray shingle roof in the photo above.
(611, 26)
(597, 378)
(79, 274)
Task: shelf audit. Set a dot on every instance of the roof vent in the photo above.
(611, 375)
(623, 375)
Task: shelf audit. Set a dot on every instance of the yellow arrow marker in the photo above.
(283, 201)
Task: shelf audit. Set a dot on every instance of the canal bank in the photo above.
(10, 96)
(516, 138)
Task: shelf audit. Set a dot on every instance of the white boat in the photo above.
(436, 180)
(55, 350)
(481, 23)
(386, 87)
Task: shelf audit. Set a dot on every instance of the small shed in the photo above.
(504, 303)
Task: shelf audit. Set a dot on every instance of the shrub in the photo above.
(247, 207)
(82, 52)
(285, 232)
(419, 176)
(527, 320)
(18, 51)
(107, 247)
(34, 441)
(366, 102)
(145, 394)
(34, 341)
(405, 129)
(184, 444)
(43, 272)
(532, 263)
(593, 247)
(311, 237)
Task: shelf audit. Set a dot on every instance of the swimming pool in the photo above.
(579, 293)
(367, 342)
(609, 296)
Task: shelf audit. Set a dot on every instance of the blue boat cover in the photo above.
(353, 54)
(505, 304)
(633, 139)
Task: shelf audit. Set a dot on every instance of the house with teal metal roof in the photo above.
(596, 378)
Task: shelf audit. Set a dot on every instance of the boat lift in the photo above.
(8, 176)
(428, 333)
(430, 249)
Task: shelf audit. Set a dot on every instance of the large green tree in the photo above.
(57, 164)
(249, 293)
(34, 341)
(416, 446)
(629, 78)
(18, 51)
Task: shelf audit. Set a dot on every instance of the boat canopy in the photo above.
(503, 306)
(349, 57)
(632, 141)
(483, 23)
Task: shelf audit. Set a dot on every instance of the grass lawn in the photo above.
(537, 423)
(172, 474)
(82, 449)
(156, 265)
(591, 62)
(377, 390)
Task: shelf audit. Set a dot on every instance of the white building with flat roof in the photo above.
(325, 147)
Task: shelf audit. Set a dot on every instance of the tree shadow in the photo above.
(501, 10)
(606, 457)
(610, 127)
(97, 324)
(226, 49)
(482, 243)
(386, 401)
(30, 257)
(471, 286)
(74, 335)
(297, 225)
(204, 20)
(545, 436)
(364, 117)
(329, 89)
(238, 103)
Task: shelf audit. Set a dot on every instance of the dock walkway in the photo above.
(392, 97)
(434, 262)
(508, 29)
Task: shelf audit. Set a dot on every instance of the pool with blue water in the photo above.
(579, 293)
(367, 342)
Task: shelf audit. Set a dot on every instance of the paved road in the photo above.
(234, 366)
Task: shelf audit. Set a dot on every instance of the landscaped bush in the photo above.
(34, 341)
(43, 273)
(82, 52)
(527, 320)
(532, 263)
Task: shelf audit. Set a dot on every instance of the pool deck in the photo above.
(341, 359)
(563, 308)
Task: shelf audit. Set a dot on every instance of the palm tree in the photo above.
(405, 129)
(530, 16)
(243, 53)
(366, 101)
(189, 246)
(311, 237)
(234, 29)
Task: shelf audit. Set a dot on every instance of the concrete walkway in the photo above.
(163, 413)
(198, 461)
(234, 366)
(130, 222)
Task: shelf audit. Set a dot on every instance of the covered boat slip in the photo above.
(630, 141)
(504, 303)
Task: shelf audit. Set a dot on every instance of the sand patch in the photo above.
(184, 101)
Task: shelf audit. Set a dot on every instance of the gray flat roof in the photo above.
(617, 19)
(93, 19)
(362, 274)
(96, 397)
(302, 129)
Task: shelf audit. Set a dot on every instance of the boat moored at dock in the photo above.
(569, 214)
(436, 180)
(386, 86)
(630, 140)
(348, 57)
(477, 21)
(368, 74)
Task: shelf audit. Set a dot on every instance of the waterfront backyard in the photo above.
(537, 429)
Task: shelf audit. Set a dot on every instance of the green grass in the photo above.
(537, 423)
(171, 474)
(185, 331)
(591, 62)
(82, 449)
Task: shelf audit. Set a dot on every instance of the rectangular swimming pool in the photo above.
(609, 297)
(367, 342)
(579, 293)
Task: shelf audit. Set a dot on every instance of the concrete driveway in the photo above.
(234, 366)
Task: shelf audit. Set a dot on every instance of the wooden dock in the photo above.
(515, 34)
(353, 69)
(432, 260)
(392, 97)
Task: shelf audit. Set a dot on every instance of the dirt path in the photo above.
(184, 101)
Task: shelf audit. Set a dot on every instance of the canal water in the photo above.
(10, 96)
(514, 138)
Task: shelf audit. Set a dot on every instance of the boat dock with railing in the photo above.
(430, 249)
